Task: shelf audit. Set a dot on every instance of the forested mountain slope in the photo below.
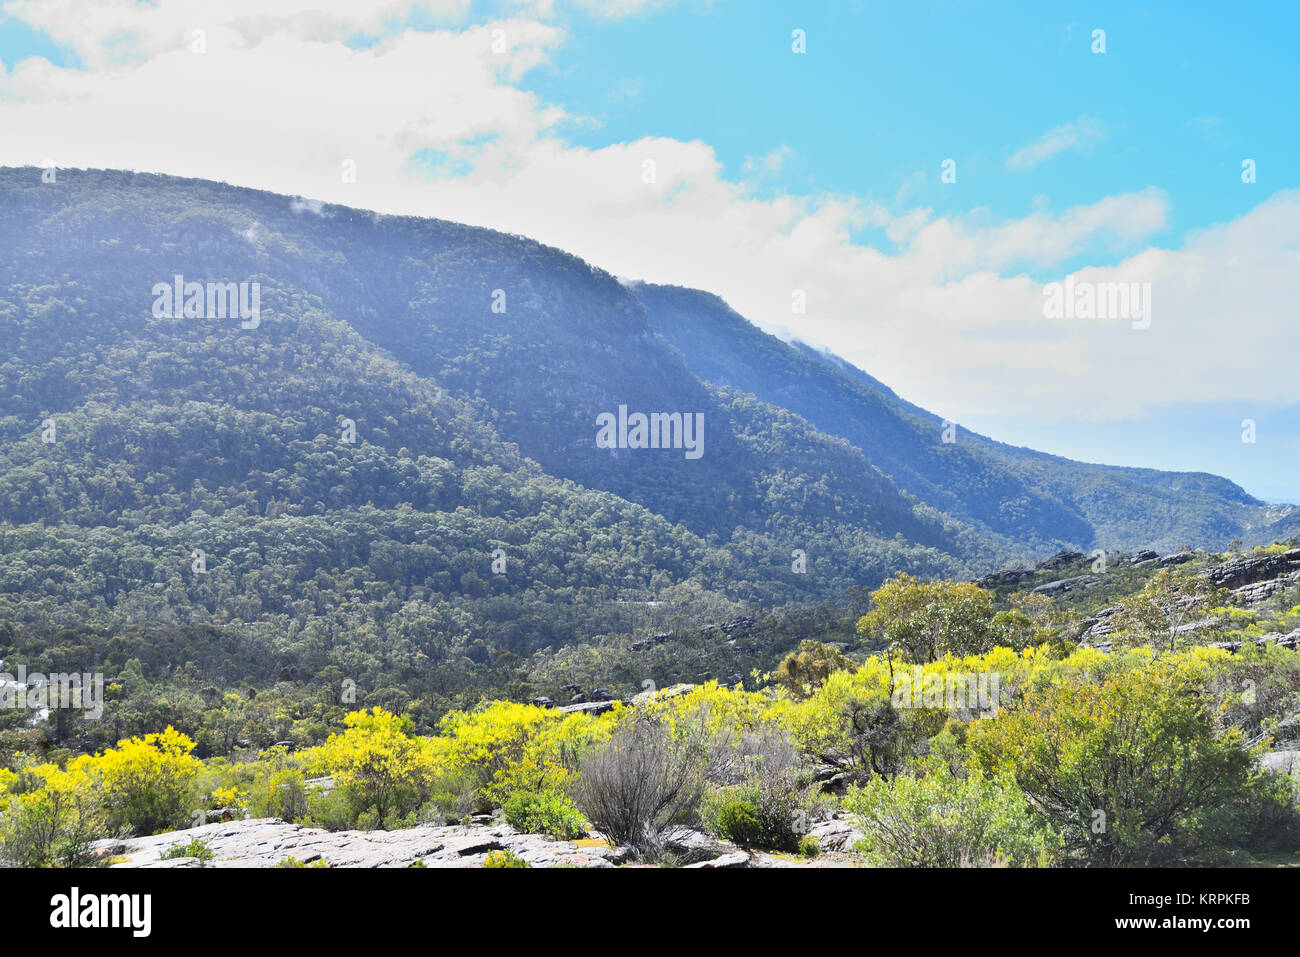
(380, 476)
(1034, 498)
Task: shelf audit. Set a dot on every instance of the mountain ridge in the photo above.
(1049, 498)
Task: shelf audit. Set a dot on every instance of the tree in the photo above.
(803, 670)
(52, 823)
(922, 621)
(1165, 603)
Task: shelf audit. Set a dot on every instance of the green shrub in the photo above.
(284, 795)
(931, 818)
(546, 813)
(762, 800)
(753, 815)
(333, 810)
(733, 813)
(1133, 769)
(198, 848)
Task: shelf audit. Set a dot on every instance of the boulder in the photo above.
(837, 835)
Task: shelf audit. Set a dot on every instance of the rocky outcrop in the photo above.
(1288, 762)
(672, 691)
(1067, 585)
(733, 859)
(1099, 625)
(587, 707)
(1260, 592)
(1290, 641)
(1251, 569)
(1004, 579)
(1062, 559)
(265, 842)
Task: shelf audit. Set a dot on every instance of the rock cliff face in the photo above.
(1243, 573)
(1247, 571)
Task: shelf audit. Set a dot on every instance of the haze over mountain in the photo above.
(1031, 497)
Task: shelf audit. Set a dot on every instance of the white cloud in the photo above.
(949, 320)
(108, 32)
(612, 9)
(1077, 134)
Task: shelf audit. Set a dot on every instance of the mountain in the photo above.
(1032, 498)
(174, 473)
(368, 455)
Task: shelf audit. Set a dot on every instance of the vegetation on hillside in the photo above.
(997, 743)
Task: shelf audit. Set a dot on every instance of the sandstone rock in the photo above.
(264, 842)
(1288, 762)
(1060, 560)
(1099, 625)
(1067, 585)
(1259, 592)
(838, 835)
(587, 707)
(1251, 569)
(1004, 579)
(672, 691)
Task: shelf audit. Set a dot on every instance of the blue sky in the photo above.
(818, 171)
(1182, 94)
(887, 89)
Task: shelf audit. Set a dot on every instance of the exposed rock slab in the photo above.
(265, 842)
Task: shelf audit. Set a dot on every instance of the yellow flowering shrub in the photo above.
(143, 783)
(380, 766)
(507, 747)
